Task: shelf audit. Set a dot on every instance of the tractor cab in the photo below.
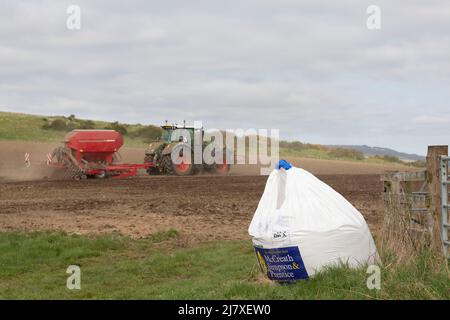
(167, 134)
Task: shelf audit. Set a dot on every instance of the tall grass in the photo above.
(33, 265)
(406, 239)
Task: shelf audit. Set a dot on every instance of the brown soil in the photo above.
(12, 165)
(201, 208)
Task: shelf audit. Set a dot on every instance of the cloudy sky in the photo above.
(308, 67)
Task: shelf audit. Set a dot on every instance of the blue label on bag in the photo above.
(281, 264)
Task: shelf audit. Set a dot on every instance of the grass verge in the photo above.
(33, 266)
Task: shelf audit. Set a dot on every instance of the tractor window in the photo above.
(167, 135)
(185, 137)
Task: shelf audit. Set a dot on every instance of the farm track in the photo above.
(201, 208)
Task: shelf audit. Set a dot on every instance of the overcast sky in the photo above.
(310, 68)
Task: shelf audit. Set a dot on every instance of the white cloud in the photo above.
(431, 120)
(310, 68)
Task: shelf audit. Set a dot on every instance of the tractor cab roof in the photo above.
(174, 127)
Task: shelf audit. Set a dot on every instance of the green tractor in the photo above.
(164, 149)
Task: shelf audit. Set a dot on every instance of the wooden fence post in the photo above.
(434, 189)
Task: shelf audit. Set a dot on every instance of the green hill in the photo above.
(25, 127)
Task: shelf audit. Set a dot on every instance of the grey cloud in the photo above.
(309, 68)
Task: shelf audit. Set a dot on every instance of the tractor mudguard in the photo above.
(171, 146)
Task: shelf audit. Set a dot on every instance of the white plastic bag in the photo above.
(302, 224)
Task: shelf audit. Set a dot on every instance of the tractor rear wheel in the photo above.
(181, 169)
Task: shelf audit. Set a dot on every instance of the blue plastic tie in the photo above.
(283, 164)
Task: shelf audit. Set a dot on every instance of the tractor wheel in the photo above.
(152, 171)
(167, 165)
(224, 168)
(182, 169)
(149, 157)
(221, 169)
(183, 166)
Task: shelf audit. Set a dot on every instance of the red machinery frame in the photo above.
(91, 153)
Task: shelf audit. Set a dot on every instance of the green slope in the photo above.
(25, 127)
(158, 267)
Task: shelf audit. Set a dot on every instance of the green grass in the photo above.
(25, 127)
(16, 126)
(33, 265)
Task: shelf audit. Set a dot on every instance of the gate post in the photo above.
(434, 188)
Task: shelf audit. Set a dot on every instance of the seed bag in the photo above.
(302, 225)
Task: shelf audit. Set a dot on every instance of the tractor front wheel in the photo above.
(222, 169)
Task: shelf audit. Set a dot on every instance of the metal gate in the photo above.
(444, 204)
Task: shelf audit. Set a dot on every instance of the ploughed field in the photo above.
(200, 208)
(12, 164)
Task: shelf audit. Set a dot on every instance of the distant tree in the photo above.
(388, 158)
(57, 124)
(117, 127)
(147, 133)
(86, 124)
(346, 153)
